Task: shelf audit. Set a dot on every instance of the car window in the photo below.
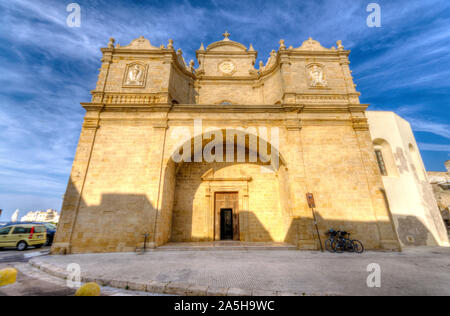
(21, 230)
(5, 231)
(51, 227)
(39, 229)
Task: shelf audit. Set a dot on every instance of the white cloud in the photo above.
(434, 147)
(422, 125)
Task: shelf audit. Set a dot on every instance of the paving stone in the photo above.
(103, 281)
(263, 293)
(156, 287)
(177, 288)
(137, 286)
(87, 279)
(118, 284)
(217, 291)
(287, 294)
(239, 292)
(197, 290)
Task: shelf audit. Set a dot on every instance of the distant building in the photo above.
(48, 216)
(15, 216)
(440, 181)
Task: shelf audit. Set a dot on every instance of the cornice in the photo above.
(225, 53)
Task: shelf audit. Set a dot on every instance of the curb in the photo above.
(171, 288)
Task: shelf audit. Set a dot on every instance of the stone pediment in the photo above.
(226, 45)
(140, 43)
(312, 45)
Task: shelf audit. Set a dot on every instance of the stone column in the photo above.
(155, 192)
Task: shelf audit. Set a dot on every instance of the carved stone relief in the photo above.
(316, 76)
(135, 75)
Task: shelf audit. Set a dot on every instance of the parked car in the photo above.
(51, 230)
(22, 236)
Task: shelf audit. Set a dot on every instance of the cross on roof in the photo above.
(226, 35)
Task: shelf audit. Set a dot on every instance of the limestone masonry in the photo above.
(300, 108)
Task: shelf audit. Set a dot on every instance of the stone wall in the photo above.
(125, 184)
(190, 210)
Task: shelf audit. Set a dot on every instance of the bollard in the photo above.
(8, 276)
(88, 289)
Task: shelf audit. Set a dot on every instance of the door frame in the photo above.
(235, 209)
(226, 185)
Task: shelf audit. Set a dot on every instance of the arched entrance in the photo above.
(210, 200)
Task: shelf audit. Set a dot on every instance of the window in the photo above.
(5, 231)
(381, 163)
(50, 226)
(385, 158)
(39, 229)
(22, 230)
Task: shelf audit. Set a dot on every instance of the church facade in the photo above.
(225, 151)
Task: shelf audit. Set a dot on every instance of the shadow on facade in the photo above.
(120, 221)
(411, 231)
(117, 224)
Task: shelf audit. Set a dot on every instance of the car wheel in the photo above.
(21, 246)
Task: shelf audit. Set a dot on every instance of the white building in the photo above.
(15, 216)
(48, 216)
(413, 207)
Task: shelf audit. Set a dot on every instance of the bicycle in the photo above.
(346, 244)
(332, 238)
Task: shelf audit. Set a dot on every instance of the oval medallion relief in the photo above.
(227, 67)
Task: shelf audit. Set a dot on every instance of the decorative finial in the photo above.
(202, 47)
(339, 45)
(261, 65)
(191, 65)
(282, 45)
(170, 45)
(111, 43)
(251, 49)
(226, 36)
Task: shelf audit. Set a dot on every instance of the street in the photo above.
(33, 282)
(27, 285)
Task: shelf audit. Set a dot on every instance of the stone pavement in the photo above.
(34, 282)
(416, 271)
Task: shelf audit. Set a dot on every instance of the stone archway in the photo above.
(189, 213)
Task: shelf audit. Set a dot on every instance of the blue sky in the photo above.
(47, 68)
